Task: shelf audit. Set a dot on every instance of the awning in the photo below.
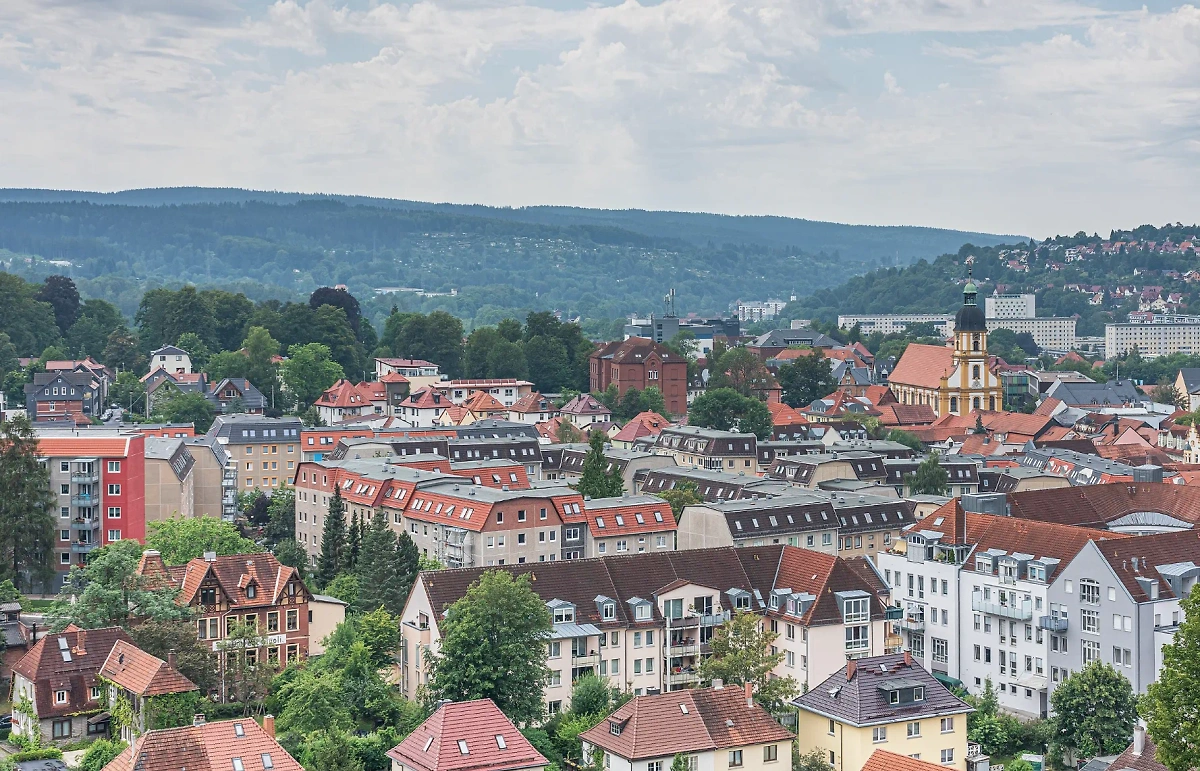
(1036, 682)
(567, 631)
(103, 717)
(947, 680)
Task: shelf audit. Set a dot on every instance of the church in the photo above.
(951, 380)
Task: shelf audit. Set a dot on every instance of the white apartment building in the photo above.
(1053, 333)
(897, 323)
(643, 621)
(1151, 339)
(1010, 306)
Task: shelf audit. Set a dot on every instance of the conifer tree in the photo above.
(354, 541)
(333, 540)
(384, 578)
(596, 481)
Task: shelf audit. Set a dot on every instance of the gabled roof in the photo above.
(1143, 556)
(490, 740)
(343, 394)
(131, 668)
(635, 350)
(427, 398)
(533, 402)
(923, 365)
(1096, 505)
(68, 661)
(482, 401)
(857, 694)
(205, 747)
(1146, 760)
(694, 720)
(585, 404)
(233, 574)
(882, 760)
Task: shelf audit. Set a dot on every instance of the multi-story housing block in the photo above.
(255, 590)
(172, 359)
(1010, 306)
(808, 471)
(639, 363)
(170, 481)
(633, 524)
(712, 485)
(565, 461)
(98, 480)
(709, 448)
(215, 487)
(418, 373)
(507, 391)
(265, 451)
(962, 474)
(644, 621)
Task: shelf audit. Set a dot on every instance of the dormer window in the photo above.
(564, 614)
(251, 592)
(983, 564)
(614, 728)
(742, 602)
(642, 612)
(609, 611)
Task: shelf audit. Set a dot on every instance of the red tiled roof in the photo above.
(100, 447)
(533, 402)
(393, 377)
(1145, 761)
(906, 414)
(784, 415)
(879, 395)
(654, 514)
(206, 747)
(1141, 556)
(426, 398)
(233, 574)
(1047, 407)
(585, 404)
(482, 401)
(454, 415)
(480, 727)
(131, 668)
(882, 760)
(694, 720)
(631, 431)
(923, 365)
(1094, 505)
(74, 667)
(343, 394)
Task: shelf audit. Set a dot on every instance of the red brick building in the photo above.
(640, 363)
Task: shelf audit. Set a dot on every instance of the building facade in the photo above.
(1052, 333)
(1151, 340)
(265, 451)
(641, 363)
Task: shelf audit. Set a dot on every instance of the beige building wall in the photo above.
(168, 496)
(206, 475)
(852, 746)
(324, 614)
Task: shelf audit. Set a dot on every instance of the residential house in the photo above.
(1187, 383)
(64, 396)
(532, 408)
(712, 485)
(808, 471)
(629, 524)
(162, 386)
(565, 461)
(466, 736)
(254, 589)
(170, 481)
(104, 377)
(709, 448)
(215, 477)
(137, 677)
(882, 702)
(265, 450)
(240, 744)
(770, 344)
(98, 482)
(237, 394)
(418, 373)
(341, 401)
(1140, 755)
(585, 412)
(639, 363)
(172, 359)
(56, 688)
(422, 408)
(508, 391)
(716, 729)
(643, 621)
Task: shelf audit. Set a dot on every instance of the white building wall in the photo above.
(1151, 339)
(1010, 306)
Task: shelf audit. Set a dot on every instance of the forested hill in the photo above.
(1097, 278)
(479, 263)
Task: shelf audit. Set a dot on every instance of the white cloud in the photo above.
(745, 107)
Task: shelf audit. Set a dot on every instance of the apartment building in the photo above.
(848, 525)
(418, 373)
(214, 488)
(715, 728)
(565, 461)
(712, 485)
(170, 481)
(254, 589)
(642, 621)
(633, 524)
(98, 480)
(448, 517)
(1151, 340)
(172, 359)
(709, 448)
(266, 451)
(1010, 306)
(975, 594)
(884, 702)
(808, 471)
(962, 474)
(1051, 333)
(507, 391)
(897, 323)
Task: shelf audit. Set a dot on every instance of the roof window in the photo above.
(462, 747)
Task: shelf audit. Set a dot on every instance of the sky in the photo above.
(1030, 117)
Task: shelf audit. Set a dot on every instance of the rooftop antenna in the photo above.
(669, 302)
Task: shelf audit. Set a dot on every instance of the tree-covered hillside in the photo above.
(1100, 279)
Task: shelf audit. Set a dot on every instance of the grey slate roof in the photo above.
(784, 338)
(1112, 393)
(1191, 379)
(863, 700)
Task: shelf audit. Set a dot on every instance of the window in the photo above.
(555, 677)
(1089, 619)
(1091, 651)
(114, 535)
(95, 692)
(654, 765)
(879, 734)
(856, 611)
(266, 760)
(941, 651)
(832, 727)
(114, 489)
(770, 753)
(293, 620)
(60, 697)
(857, 638)
(914, 729)
(61, 729)
(272, 619)
(114, 467)
(114, 512)
(735, 758)
(238, 765)
(948, 755)
(1089, 591)
(947, 725)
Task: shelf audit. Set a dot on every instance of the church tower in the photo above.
(971, 385)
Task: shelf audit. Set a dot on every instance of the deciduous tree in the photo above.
(109, 592)
(806, 379)
(929, 478)
(741, 654)
(309, 371)
(1094, 713)
(63, 297)
(1173, 700)
(180, 539)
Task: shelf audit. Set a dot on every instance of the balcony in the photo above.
(83, 548)
(85, 477)
(590, 659)
(80, 523)
(1053, 623)
(683, 676)
(1023, 612)
(85, 500)
(913, 623)
(701, 619)
(894, 613)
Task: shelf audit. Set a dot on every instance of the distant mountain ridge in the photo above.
(901, 243)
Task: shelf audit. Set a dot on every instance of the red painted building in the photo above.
(98, 480)
(640, 363)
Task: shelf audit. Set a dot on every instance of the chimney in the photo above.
(718, 683)
(1139, 738)
(198, 718)
(907, 659)
(851, 669)
(81, 641)
(268, 725)
(749, 694)
(171, 660)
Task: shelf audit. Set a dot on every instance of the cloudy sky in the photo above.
(1014, 116)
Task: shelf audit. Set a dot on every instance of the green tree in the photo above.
(479, 344)
(100, 753)
(740, 370)
(345, 587)
(806, 379)
(109, 592)
(63, 297)
(330, 750)
(129, 392)
(741, 654)
(191, 408)
(187, 312)
(260, 350)
(591, 696)
(292, 554)
(814, 760)
(193, 658)
(354, 537)
(313, 702)
(309, 371)
(198, 352)
(929, 478)
(1094, 713)
(437, 337)
(494, 646)
(379, 632)
(1175, 696)
(596, 480)
(385, 572)
(333, 540)
(181, 539)
(550, 366)
(727, 410)
(507, 359)
(1166, 393)
(680, 763)
(684, 494)
(27, 509)
(281, 516)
